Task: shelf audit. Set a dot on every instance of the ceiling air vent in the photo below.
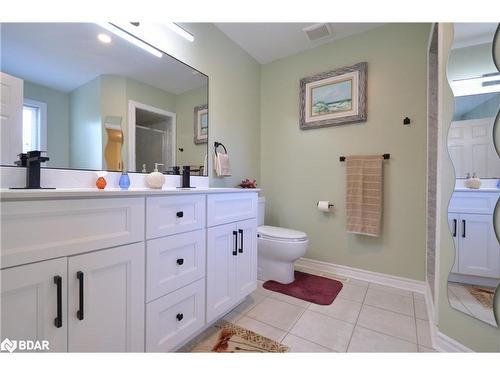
(317, 31)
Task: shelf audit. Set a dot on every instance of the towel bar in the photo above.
(217, 144)
(385, 156)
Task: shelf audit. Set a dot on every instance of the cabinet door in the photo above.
(106, 300)
(246, 261)
(31, 300)
(479, 248)
(453, 221)
(221, 261)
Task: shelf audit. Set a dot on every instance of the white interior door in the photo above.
(11, 117)
(246, 261)
(30, 303)
(221, 261)
(110, 318)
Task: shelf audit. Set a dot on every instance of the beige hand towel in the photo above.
(221, 165)
(364, 194)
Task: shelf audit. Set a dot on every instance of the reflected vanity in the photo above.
(95, 101)
(473, 282)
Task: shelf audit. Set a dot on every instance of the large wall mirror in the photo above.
(473, 282)
(94, 97)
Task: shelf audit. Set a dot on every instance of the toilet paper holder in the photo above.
(330, 205)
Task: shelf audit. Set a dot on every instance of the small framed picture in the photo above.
(200, 124)
(333, 98)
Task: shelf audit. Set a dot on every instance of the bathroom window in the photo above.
(34, 125)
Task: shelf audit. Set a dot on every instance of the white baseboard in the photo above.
(439, 340)
(370, 276)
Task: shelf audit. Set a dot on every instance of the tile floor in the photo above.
(461, 299)
(364, 317)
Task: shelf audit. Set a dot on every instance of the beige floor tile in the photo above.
(357, 282)
(299, 345)
(420, 309)
(390, 289)
(323, 330)
(390, 301)
(286, 298)
(279, 314)
(249, 303)
(388, 322)
(364, 340)
(353, 292)
(424, 349)
(262, 328)
(340, 308)
(423, 333)
(261, 290)
(418, 296)
(232, 316)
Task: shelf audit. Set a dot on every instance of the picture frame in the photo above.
(201, 124)
(334, 98)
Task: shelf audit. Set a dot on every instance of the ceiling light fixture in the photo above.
(179, 30)
(105, 38)
(130, 38)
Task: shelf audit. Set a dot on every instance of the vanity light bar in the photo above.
(130, 38)
(179, 30)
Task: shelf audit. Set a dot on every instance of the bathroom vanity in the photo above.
(123, 271)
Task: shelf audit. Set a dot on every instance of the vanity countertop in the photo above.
(481, 190)
(20, 194)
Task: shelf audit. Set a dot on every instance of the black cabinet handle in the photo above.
(235, 235)
(58, 319)
(79, 313)
(180, 261)
(240, 231)
(180, 317)
(180, 214)
(454, 227)
(463, 228)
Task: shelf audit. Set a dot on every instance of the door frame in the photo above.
(132, 106)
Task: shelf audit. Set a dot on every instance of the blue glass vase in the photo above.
(124, 180)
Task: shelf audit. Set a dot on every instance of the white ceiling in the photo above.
(267, 42)
(65, 56)
(473, 33)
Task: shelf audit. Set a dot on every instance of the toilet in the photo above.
(278, 249)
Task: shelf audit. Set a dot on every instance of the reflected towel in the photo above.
(221, 165)
(364, 194)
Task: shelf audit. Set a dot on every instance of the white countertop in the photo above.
(19, 194)
(481, 190)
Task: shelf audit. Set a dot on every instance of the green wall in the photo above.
(469, 331)
(57, 121)
(301, 167)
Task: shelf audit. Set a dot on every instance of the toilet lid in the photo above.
(281, 233)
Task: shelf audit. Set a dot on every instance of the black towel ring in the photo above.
(217, 144)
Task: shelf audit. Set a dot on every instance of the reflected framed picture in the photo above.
(200, 124)
(333, 98)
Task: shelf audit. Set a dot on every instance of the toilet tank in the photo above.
(261, 210)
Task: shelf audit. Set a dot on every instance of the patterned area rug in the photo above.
(482, 294)
(225, 337)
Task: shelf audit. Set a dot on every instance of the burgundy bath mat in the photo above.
(311, 288)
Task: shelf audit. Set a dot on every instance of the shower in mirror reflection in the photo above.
(475, 82)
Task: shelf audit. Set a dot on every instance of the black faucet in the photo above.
(32, 161)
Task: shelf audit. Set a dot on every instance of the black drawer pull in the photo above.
(235, 235)
(58, 319)
(463, 228)
(180, 214)
(79, 313)
(454, 227)
(180, 317)
(180, 261)
(240, 231)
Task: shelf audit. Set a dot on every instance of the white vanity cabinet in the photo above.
(477, 251)
(232, 252)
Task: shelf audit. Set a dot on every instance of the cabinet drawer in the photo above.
(228, 208)
(174, 261)
(40, 230)
(171, 215)
(173, 318)
(473, 202)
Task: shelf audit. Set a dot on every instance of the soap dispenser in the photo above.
(155, 179)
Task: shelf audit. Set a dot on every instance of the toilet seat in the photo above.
(280, 234)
